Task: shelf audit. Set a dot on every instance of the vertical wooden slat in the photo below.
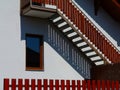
(6, 84)
(39, 84)
(83, 85)
(20, 84)
(56, 84)
(62, 84)
(113, 86)
(98, 85)
(51, 84)
(68, 84)
(93, 85)
(26, 84)
(108, 85)
(88, 85)
(78, 85)
(45, 81)
(103, 85)
(13, 84)
(33, 84)
(73, 85)
(117, 85)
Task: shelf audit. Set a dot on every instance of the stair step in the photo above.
(79, 41)
(64, 27)
(88, 51)
(97, 60)
(54, 16)
(84, 46)
(68, 32)
(75, 36)
(59, 22)
(95, 55)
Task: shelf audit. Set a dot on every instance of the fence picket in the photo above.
(62, 85)
(39, 86)
(98, 85)
(73, 84)
(45, 81)
(117, 85)
(13, 84)
(78, 85)
(68, 84)
(6, 84)
(20, 85)
(26, 84)
(51, 84)
(33, 84)
(56, 84)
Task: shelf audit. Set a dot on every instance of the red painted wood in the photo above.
(68, 84)
(26, 84)
(78, 85)
(45, 81)
(117, 85)
(98, 85)
(39, 84)
(108, 85)
(56, 84)
(73, 85)
(83, 85)
(93, 85)
(62, 84)
(113, 86)
(33, 84)
(51, 85)
(20, 84)
(13, 84)
(6, 84)
(88, 85)
(103, 85)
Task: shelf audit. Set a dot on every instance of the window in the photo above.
(34, 52)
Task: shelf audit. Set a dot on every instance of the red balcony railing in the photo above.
(60, 84)
(87, 28)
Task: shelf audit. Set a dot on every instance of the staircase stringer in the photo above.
(82, 36)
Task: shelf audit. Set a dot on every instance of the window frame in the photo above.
(41, 56)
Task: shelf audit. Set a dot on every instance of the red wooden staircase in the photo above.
(77, 27)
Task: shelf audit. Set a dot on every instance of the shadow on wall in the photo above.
(58, 42)
(103, 19)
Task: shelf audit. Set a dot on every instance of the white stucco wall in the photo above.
(12, 47)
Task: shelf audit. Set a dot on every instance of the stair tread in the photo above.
(64, 27)
(75, 36)
(84, 46)
(97, 60)
(68, 32)
(93, 56)
(59, 22)
(79, 41)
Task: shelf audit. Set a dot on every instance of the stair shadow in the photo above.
(59, 42)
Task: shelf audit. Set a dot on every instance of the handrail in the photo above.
(86, 26)
(95, 26)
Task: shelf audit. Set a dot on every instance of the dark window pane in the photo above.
(33, 51)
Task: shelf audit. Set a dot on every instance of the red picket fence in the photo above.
(45, 84)
(86, 26)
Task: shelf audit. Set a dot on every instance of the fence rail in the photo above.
(45, 84)
(86, 27)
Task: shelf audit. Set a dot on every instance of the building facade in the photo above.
(59, 56)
